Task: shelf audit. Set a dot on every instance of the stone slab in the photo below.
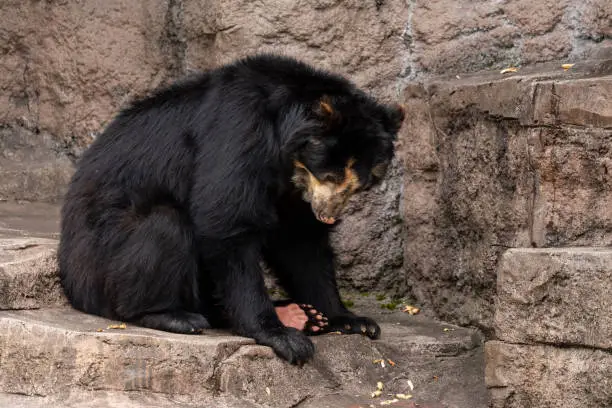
(114, 399)
(28, 273)
(583, 102)
(542, 376)
(57, 351)
(555, 295)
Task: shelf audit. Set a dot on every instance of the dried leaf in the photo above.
(411, 385)
(447, 329)
(377, 361)
(411, 310)
(389, 402)
(509, 69)
(380, 386)
(567, 66)
(376, 394)
(403, 396)
(391, 362)
(100, 330)
(268, 390)
(117, 326)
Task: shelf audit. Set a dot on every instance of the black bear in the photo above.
(175, 206)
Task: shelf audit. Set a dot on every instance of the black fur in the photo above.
(175, 204)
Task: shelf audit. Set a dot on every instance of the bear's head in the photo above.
(350, 151)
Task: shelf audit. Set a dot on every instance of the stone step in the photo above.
(555, 295)
(53, 352)
(553, 322)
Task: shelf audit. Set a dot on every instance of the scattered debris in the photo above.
(379, 388)
(389, 402)
(117, 326)
(381, 361)
(268, 390)
(435, 377)
(411, 310)
(403, 396)
(509, 69)
(335, 332)
(411, 385)
(447, 329)
(567, 66)
(99, 330)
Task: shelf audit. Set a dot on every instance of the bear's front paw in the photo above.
(351, 324)
(288, 343)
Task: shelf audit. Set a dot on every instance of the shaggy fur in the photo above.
(175, 205)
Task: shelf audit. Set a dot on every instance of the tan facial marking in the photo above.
(326, 197)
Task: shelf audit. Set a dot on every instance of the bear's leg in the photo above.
(303, 261)
(152, 276)
(247, 306)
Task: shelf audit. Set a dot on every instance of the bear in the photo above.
(176, 205)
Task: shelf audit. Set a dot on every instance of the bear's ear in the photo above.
(395, 115)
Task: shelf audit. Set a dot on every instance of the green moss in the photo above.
(392, 305)
(348, 303)
(381, 297)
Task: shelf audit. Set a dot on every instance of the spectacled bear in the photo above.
(174, 207)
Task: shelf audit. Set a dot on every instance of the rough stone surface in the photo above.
(464, 36)
(28, 273)
(114, 399)
(558, 296)
(52, 352)
(32, 166)
(495, 162)
(70, 65)
(548, 377)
